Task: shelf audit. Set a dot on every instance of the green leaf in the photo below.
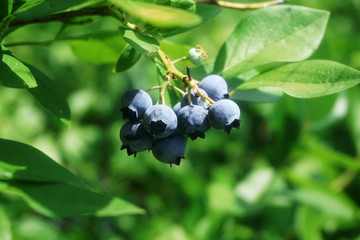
(6, 8)
(308, 223)
(157, 15)
(14, 73)
(278, 34)
(128, 58)
(330, 156)
(5, 231)
(48, 96)
(50, 188)
(335, 205)
(19, 161)
(98, 49)
(40, 8)
(139, 41)
(253, 187)
(174, 50)
(207, 11)
(353, 116)
(221, 199)
(64, 200)
(183, 4)
(261, 95)
(308, 79)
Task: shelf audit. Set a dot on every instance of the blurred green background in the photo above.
(290, 172)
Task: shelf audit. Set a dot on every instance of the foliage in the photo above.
(289, 173)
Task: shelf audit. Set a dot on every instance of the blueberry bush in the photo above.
(167, 80)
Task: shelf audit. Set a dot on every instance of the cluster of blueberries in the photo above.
(164, 130)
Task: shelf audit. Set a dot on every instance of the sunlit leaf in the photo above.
(308, 79)
(308, 223)
(139, 41)
(5, 231)
(19, 161)
(328, 155)
(221, 198)
(99, 49)
(255, 185)
(157, 15)
(50, 188)
(331, 204)
(205, 11)
(14, 73)
(278, 34)
(63, 200)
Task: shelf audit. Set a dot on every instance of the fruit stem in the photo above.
(162, 91)
(152, 88)
(179, 59)
(232, 93)
(205, 98)
(172, 69)
(189, 94)
(176, 88)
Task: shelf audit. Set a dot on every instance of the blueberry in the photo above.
(193, 121)
(160, 121)
(170, 149)
(196, 100)
(224, 114)
(134, 104)
(177, 107)
(215, 86)
(135, 138)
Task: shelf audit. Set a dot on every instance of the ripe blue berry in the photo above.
(193, 121)
(196, 100)
(160, 121)
(177, 107)
(135, 138)
(215, 86)
(224, 114)
(170, 149)
(134, 104)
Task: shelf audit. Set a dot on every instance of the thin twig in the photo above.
(203, 96)
(176, 88)
(101, 11)
(162, 91)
